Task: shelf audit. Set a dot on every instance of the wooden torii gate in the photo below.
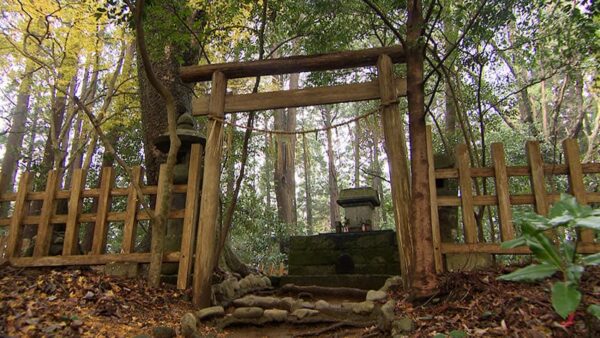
(217, 104)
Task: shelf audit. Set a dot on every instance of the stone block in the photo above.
(376, 296)
(468, 262)
(248, 312)
(276, 315)
(209, 312)
(122, 269)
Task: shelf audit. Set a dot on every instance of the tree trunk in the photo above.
(579, 109)
(380, 215)
(233, 261)
(268, 167)
(14, 143)
(285, 145)
(357, 132)
(307, 185)
(424, 281)
(334, 211)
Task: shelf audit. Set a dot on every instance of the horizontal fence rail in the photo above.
(540, 198)
(24, 201)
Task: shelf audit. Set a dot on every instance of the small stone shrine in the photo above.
(356, 255)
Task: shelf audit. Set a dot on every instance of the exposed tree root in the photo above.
(323, 290)
(335, 326)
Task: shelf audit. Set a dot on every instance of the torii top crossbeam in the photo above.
(293, 64)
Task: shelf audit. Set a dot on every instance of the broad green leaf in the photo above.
(566, 205)
(565, 298)
(531, 273)
(567, 249)
(591, 259)
(513, 243)
(531, 223)
(594, 310)
(574, 273)
(591, 222)
(560, 220)
(544, 250)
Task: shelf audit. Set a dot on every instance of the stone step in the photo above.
(365, 282)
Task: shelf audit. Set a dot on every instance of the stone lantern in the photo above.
(188, 133)
(359, 205)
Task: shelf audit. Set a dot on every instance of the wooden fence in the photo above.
(22, 216)
(536, 170)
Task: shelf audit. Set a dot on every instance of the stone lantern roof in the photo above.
(353, 197)
(187, 131)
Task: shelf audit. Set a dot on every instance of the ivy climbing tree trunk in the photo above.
(423, 278)
(165, 185)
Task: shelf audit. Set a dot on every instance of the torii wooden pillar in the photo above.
(205, 242)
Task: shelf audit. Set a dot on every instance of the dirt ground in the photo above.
(72, 302)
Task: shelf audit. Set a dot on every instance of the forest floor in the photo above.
(65, 302)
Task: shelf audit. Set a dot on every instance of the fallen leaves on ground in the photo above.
(76, 302)
(65, 302)
(479, 305)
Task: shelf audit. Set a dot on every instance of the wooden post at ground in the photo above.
(72, 226)
(101, 225)
(190, 219)
(205, 243)
(538, 185)
(466, 193)
(129, 228)
(576, 186)
(507, 231)
(435, 218)
(15, 231)
(395, 146)
(44, 231)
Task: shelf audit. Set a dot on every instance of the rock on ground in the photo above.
(376, 296)
(188, 325)
(276, 315)
(248, 312)
(213, 311)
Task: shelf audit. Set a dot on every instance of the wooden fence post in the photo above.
(395, 147)
(466, 193)
(72, 227)
(104, 200)
(435, 218)
(21, 206)
(190, 218)
(576, 187)
(44, 231)
(538, 184)
(205, 243)
(507, 231)
(133, 203)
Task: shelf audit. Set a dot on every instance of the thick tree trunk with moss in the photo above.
(166, 58)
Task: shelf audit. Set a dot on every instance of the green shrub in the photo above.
(569, 216)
